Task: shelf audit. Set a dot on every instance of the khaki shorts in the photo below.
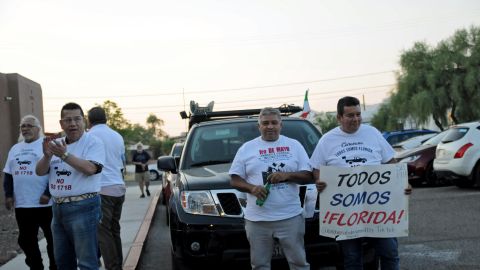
(142, 177)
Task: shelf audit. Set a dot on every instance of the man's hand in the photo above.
(320, 185)
(259, 191)
(9, 203)
(44, 199)
(277, 177)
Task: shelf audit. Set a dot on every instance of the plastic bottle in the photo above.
(260, 202)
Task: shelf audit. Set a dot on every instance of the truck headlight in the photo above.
(198, 203)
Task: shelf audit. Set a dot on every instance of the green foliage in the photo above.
(385, 119)
(326, 121)
(115, 119)
(441, 82)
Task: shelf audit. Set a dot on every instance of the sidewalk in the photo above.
(136, 217)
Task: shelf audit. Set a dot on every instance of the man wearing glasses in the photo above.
(28, 193)
(73, 164)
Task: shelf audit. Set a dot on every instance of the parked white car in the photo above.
(458, 155)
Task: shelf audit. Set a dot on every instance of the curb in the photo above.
(136, 249)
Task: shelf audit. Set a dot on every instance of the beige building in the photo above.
(19, 96)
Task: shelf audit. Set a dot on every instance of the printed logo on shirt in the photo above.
(354, 160)
(23, 162)
(271, 154)
(60, 182)
(352, 152)
(275, 167)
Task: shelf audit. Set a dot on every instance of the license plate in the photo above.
(277, 250)
(441, 153)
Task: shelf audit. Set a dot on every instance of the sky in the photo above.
(155, 56)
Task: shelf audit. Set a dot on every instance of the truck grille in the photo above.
(229, 203)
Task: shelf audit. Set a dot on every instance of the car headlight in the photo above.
(198, 203)
(410, 159)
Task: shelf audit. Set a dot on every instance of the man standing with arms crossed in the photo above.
(112, 191)
(339, 140)
(28, 193)
(74, 165)
(286, 162)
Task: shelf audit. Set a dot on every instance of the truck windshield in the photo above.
(218, 143)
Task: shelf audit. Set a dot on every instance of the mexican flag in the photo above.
(306, 106)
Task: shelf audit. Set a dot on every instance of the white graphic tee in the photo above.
(257, 156)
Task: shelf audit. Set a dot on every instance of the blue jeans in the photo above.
(74, 228)
(385, 248)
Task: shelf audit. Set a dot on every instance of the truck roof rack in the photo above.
(204, 115)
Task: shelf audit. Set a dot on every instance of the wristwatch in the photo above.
(64, 156)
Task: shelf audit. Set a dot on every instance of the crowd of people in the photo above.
(72, 188)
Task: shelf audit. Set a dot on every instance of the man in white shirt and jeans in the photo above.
(74, 164)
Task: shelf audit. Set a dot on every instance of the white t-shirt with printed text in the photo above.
(257, 156)
(28, 187)
(364, 147)
(67, 181)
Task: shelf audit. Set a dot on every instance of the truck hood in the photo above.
(207, 177)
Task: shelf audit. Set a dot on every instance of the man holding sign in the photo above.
(360, 201)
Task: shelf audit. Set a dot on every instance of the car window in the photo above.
(176, 150)
(454, 134)
(435, 139)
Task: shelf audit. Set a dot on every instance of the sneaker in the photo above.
(148, 192)
(142, 196)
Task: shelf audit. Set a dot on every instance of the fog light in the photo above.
(195, 246)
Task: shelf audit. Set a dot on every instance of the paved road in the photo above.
(444, 230)
(444, 233)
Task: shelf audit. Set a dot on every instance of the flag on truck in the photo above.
(306, 106)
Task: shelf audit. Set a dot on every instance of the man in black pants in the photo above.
(29, 193)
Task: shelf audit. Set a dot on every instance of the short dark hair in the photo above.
(71, 106)
(270, 111)
(346, 102)
(96, 115)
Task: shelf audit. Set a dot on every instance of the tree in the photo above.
(115, 119)
(326, 121)
(155, 124)
(441, 82)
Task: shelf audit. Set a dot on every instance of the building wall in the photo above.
(19, 96)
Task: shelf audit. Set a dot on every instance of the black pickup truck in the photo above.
(206, 214)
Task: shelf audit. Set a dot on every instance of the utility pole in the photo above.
(363, 99)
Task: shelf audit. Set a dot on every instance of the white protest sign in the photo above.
(364, 201)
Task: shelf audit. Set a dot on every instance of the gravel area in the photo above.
(8, 235)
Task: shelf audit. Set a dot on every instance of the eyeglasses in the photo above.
(27, 126)
(76, 119)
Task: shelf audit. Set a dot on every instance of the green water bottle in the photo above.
(260, 202)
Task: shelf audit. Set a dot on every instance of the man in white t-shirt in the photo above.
(273, 213)
(28, 193)
(112, 190)
(348, 145)
(74, 165)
